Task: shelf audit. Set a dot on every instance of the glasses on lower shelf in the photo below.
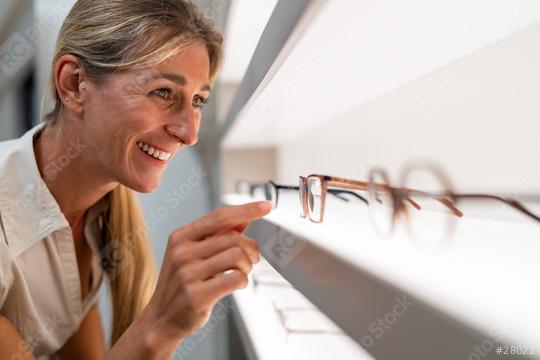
(296, 315)
(424, 197)
(273, 281)
(288, 315)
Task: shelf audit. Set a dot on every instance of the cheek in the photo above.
(120, 115)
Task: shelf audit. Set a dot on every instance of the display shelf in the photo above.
(285, 17)
(343, 54)
(474, 291)
(311, 334)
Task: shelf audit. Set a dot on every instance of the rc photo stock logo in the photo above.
(282, 248)
(20, 47)
(116, 256)
(15, 53)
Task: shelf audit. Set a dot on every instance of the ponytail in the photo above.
(131, 266)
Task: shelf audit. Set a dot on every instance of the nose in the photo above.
(185, 130)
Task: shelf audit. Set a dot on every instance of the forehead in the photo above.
(188, 67)
(192, 63)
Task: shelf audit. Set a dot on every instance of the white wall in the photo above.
(478, 117)
(16, 53)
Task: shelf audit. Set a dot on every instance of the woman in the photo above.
(129, 78)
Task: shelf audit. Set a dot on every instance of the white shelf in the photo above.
(463, 293)
(258, 306)
(344, 54)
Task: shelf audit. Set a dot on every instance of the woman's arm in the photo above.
(143, 341)
(12, 346)
(88, 341)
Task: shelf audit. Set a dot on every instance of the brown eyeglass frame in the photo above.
(326, 181)
(302, 189)
(401, 195)
(334, 181)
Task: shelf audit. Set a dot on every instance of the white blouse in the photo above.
(40, 291)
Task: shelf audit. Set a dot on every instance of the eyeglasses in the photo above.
(308, 208)
(286, 314)
(270, 190)
(296, 316)
(246, 187)
(271, 280)
(388, 203)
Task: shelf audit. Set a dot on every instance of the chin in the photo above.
(143, 186)
(146, 188)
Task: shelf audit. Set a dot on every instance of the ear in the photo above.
(71, 82)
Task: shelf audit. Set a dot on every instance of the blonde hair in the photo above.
(112, 35)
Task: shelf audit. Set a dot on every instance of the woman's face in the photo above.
(134, 113)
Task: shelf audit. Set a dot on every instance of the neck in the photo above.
(73, 178)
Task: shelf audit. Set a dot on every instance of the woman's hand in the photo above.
(193, 278)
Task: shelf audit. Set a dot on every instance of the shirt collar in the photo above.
(28, 209)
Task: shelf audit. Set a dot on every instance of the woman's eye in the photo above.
(165, 94)
(199, 102)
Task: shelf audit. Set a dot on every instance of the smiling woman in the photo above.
(128, 79)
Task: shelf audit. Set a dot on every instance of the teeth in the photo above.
(158, 154)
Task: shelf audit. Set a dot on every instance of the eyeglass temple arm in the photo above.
(363, 186)
(451, 206)
(335, 192)
(511, 202)
(440, 198)
(287, 187)
(338, 193)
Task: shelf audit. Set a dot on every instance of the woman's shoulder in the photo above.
(17, 152)
(26, 205)
(8, 151)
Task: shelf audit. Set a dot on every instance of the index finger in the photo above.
(225, 218)
(239, 228)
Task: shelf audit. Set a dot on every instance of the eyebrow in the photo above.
(181, 80)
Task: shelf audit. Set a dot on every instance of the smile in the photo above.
(152, 151)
